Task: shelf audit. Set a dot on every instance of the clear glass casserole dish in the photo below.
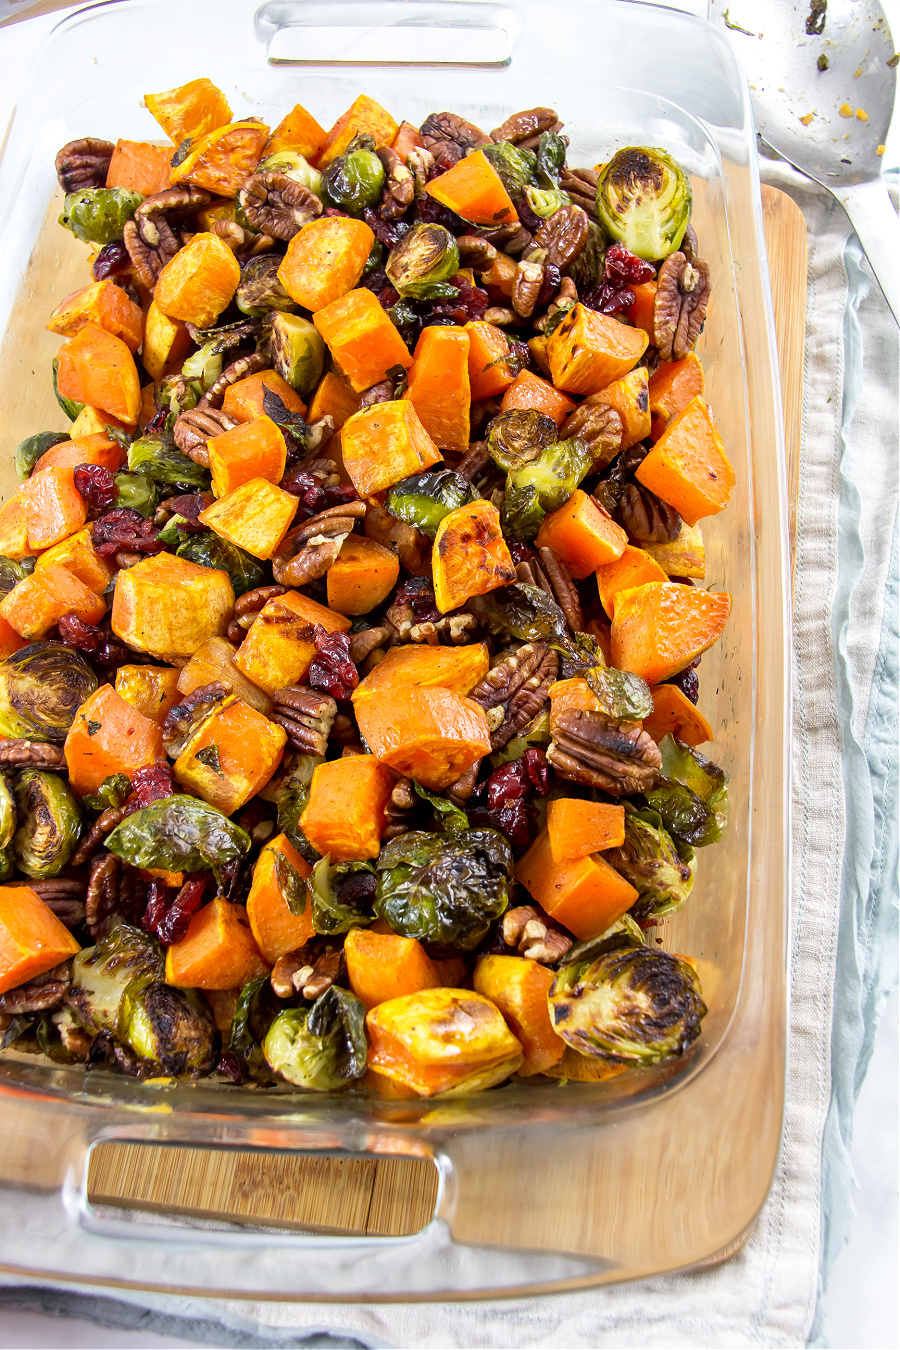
(656, 1171)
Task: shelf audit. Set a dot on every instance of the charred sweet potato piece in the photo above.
(37, 603)
(470, 555)
(333, 398)
(345, 814)
(519, 988)
(384, 443)
(675, 715)
(364, 116)
(199, 282)
(152, 690)
(279, 645)
(588, 351)
(474, 190)
(231, 755)
(213, 663)
(223, 161)
(660, 628)
(191, 110)
(244, 399)
(430, 734)
(489, 374)
(299, 131)
(455, 668)
(167, 606)
(97, 367)
(32, 938)
(630, 397)
(105, 304)
(278, 877)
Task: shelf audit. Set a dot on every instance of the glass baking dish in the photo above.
(541, 1187)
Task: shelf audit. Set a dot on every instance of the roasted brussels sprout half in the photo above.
(516, 438)
(101, 974)
(422, 263)
(691, 795)
(201, 370)
(545, 202)
(515, 167)
(49, 823)
(257, 1008)
(542, 485)
(29, 451)
(423, 499)
(172, 1029)
(661, 873)
(7, 813)
(211, 550)
(644, 202)
(42, 686)
(98, 215)
(623, 933)
(342, 895)
(179, 834)
(322, 1047)
(69, 406)
(444, 889)
(11, 573)
(157, 457)
(622, 694)
(293, 165)
(524, 612)
(260, 291)
(137, 492)
(635, 1005)
(355, 179)
(296, 350)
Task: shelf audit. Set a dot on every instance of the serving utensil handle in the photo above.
(875, 221)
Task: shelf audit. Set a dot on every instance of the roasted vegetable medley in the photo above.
(349, 636)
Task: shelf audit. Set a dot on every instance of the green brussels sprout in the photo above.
(179, 834)
(355, 179)
(423, 499)
(633, 1005)
(68, 405)
(543, 484)
(622, 694)
(296, 350)
(211, 550)
(453, 818)
(101, 974)
(422, 263)
(7, 813)
(7, 863)
(202, 368)
(11, 573)
(517, 437)
(177, 394)
(137, 492)
(545, 202)
(691, 795)
(623, 933)
(644, 202)
(322, 1047)
(260, 291)
(157, 457)
(524, 612)
(444, 889)
(29, 451)
(293, 166)
(257, 1007)
(42, 686)
(536, 734)
(113, 791)
(332, 913)
(172, 1029)
(551, 159)
(49, 823)
(375, 258)
(515, 167)
(291, 790)
(99, 215)
(661, 874)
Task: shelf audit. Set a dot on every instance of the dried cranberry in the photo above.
(537, 768)
(387, 296)
(374, 281)
(111, 261)
(502, 801)
(157, 421)
(177, 918)
(96, 485)
(520, 551)
(624, 268)
(550, 284)
(335, 211)
(103, 648)
(607, 299)
(232, 1065)
(157, 904)
(471, 303)
(125, 528)
(387, 232)
(313, 497)
(529, 219)
(418, 593)
(689, 684)
(430, 210)
(189, 505)
(151, 784)
(354, 887)
(331, 670)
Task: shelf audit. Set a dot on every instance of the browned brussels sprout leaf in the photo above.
(171, 1029)
(322, 1047)
(659, 870)
(179, 834)
(622, 694)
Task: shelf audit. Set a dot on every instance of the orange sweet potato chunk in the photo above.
(231, 756)
(519, 988)
(223, 161)
(244, 399)
(688, 467)
(470, 555)
(672, 386)
(577, 828)
(675, 715)
(573, 693)
(256, 516)
(78, 556)
(109, 736)
(630, 398)
(383, 443)
(37, 603)
(381, 966)
(474, 190)
(213, 663)
(10, 640)
(94, 449)
(362, 576)
(250, 450)
(634, 567)
(14, 528)
(199, 282)
(152, 690)
(325, 260)
(585, 895)
(218, 951)
(641, 312)
(583, 534)
(279, 646)
(191, 110)
(333, 398)
(456, 668)
(299, 131)
(140, 166)
(166, 342)
(54, 507)
(364, 116)
(32, 939)
(661, 627)
(97, 367)
(345, 814)
(432, 735)
(531, 392)
(105, 304)
(361, 338)
(588, 351)
(488, 374)
(438, 386)
(168, 607)
(274, 889)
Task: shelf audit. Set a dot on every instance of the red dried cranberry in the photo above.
(104, 650)
(96, 485)
(418, 593)
(502, 801)
(387, 297)
(689, 684)
(607, 299)
(374, 281)
(157, 421)
(331, 671)
(313, 497)
(335, 211)
(124, 528)
(387, 232)
(111, 261)
(177, 918)
(354, 887)
(430, 210)
(550, 284)
(624, 268)
(157, 904)
(232, 1065)
(471, 303)
(537, 768)
(531, 221)
(189, 505)
(520, 551)
(151, 784)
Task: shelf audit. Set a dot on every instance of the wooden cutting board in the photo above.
(393, 1196)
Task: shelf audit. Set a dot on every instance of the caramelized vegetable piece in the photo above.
(538, 348)
(96, 367)
(474, 190)
(361, 338)
(199, 282)
(76, 554)
(325, 260)
(442, 1040)
(345, 814)
(54, 508)
(166, 343)
(279, 645)
(688, 467)
(256, 516)
(413, 548)
(438, 386)
(384, 443)
(140, 166)
(167, 606)
(14, 529)
(191, 110)
(223, 161)
(641, 312)
(218, 950)
(430, 734)
(363, 117)
(455, 668)
(32, 938)
(105, 304)
(532, 393)
(244, 399)
(583, 534)
(660, 628)
(109, 736)
(585, 895)
(10, 641)
(231, 756)
(519, 988)
(298, 131)
(333, 398)
(489, 375)
(152, 690)
(470, 555)
(382, 966)
(575, 693)
(213, 663)
(92, 422)
(578, 1068)
(634, 567)
(672, 386)
(588, 351)
(363, 575)
(577, 828)
(37, 603)
(97, 449)
(250, 450)
(631, 399)
(675, 715)
(278, 907)
(684, 556)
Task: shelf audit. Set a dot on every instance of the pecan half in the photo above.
(399, 185)
(645, 517)
(83, 163)
(308, 971)
(448, 137)
(244, 244)
(474, 461)
(114, 888)
(309, 549)
(526, 287)
(18, 753)
(197, 426)
(679, 307)
(151, 238)
(460, 791)
(105, 823)
(277, 205)
(599, 426)
(533, 934)
(689, 246)
(402, 809)
(306, 716)
(182, 720)
(562, 588)
(501, 316)
(513, 239)
(581, 185)
(563, 235)
(518, 686)
(523, 125)
(369, 640)
(476, 252)
(43, 992)
(64, 896)
(238, 370)
(453, 630)
(600, 751)
(246, 608)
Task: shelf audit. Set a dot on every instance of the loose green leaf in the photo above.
(291, 884)
(452, 817)
(209, 756)
(113, 791)
(179, 834)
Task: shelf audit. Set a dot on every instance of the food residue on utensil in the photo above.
(857, 73)
(735, 27)
(815, 22)
(845, 110)
(880, 149)
(822, 63)
(862, 115)
(808, 118)
(893, 60)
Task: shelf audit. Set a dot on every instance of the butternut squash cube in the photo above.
(455, 668)
(298, 131)
(432, 735)
(37, 603)
(583, 534)
(519, 988)
(105, 304)
(633, 567)
(244, 399)
(278, 905)
(381, 966)
(166, 342)
(325, 260)
(335, 398)
(14, 528)
(438, 386)
(586, 895)
(577, 828)
(660, 628)
(362, 576)
(684, 556)
(218, 950)
(361, 338)
(630, 398)
(76, 554)
(384, 443)
(688, 467)
(98, 368)
(93, 422)
(250, 450)
(213, 663)
(364, 116)
(223, 161)
(279, 646)
(231, 755)
(191, 110)
(470, 555)
(109, 736)
(345, 814)
(199, 282)
(256, 516)
(140, 166)
(32, 939)
(167, 606)
(153, 690)
(589, 350)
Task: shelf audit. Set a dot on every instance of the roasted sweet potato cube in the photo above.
(223, 161)
(362, 576)
(633, 567)
(630, 398)
(32, 939)
(381, 966)
(109, 736)
(250, 450)
(473, 189)
(470, 555)
(361, 338)
(97, 367)
(577, 828)
(105, 304)
(489, 374)
(431, 734)
(438, 386)
(586, 895)
(10, 640)
(572, 693)
(531, 392)
(345, 814)
(255, 516)
(298, 131)
(333, 398)
(92, 422)
(167, 606)
(675, 715)
(166, 342)
(660, 628)
(364, 116)
(37, 603)
(456, 668)
(191, 110)
(245, 399)
(76, 554)
(583, 534)
(14, 528)
(384, 443)
(54, 507)
(140, 166)
(279, 646)
(153, 690)
(325, 260)
(213, 663)
(218, 951)
(672, 386)
(519, 988)
(589, 350)
(231, 755)
(684, 556)
(199, 282)
(277, 890)
(96, 449)
(688, 467)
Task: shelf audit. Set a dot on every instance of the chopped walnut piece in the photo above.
(600, 751)
(679, 307)
(517, 685)
(534, 935)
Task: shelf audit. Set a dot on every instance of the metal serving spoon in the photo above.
(823, 93)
